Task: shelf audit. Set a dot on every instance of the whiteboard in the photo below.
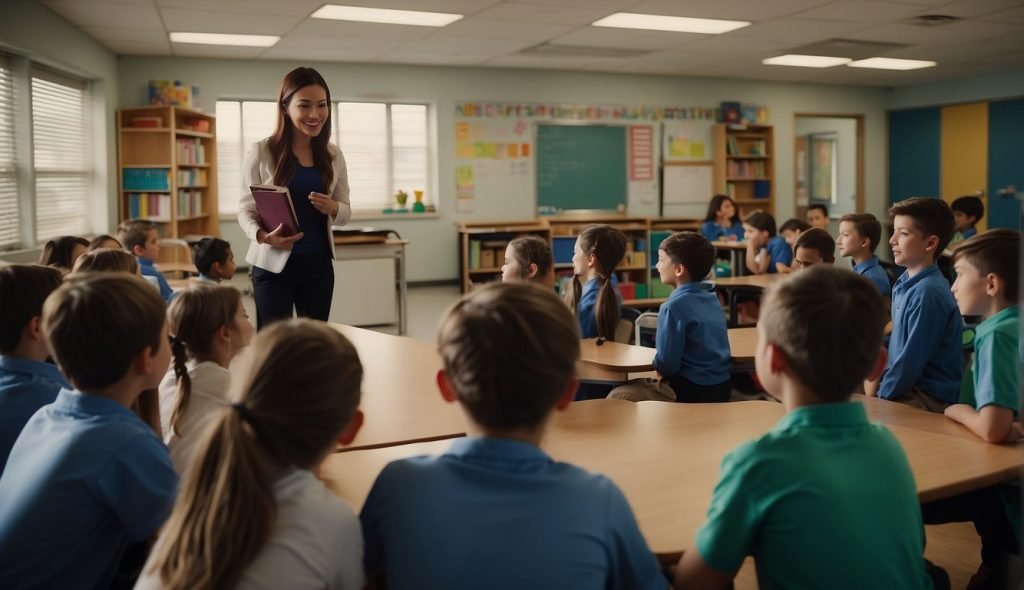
(687, 185)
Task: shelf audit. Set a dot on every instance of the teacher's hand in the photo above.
(277, 240)
(324, 204)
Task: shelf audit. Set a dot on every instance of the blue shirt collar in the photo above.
(831, 415)
(906, 280)
(145, 262)
(74, 401)
(487, 449)
(969, 233)
(15, 364)
(691, 287)
(866, 265)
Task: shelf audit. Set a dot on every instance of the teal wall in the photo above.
(1005, 161)
(914, 153)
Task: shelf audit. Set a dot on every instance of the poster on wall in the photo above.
(822, 148)
(687, 141)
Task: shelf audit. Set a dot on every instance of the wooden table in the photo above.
(644, 303)
(742, 346)
(613, 361)
(733, 286)
(666, 457)
(737, 254)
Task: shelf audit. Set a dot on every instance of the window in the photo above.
(10, 235)
(62, 152)
(386, 148)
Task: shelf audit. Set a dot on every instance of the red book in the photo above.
(274, 205)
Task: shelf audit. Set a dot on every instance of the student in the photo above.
(790, 231)
(107, 260)
(926, 344)
(967, 212)
(692, 355)
(104, 241)
(859, 234)
(62, 252)
(799, 499)
(817, 216)
(986, 285)
(251, 496)
(214, 260)
(495, 511)
(528, 258)
(208, 326)
(140, 239)
(764, 248)
(87, 477)
(599, 249)
(722, 221)
(27, 381)
(814, 246)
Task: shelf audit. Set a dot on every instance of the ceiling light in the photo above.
(676, 24)
(805, 61)
(222, 39)
(889, 63)
(386, 15)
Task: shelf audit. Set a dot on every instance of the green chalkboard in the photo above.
(581, 166)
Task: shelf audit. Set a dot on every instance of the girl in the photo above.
(295, 272)
(104, 241)
(107, 260)
(62, 252)
(209, 327)
(599, 249)
(250, 512)
(722, 221)
(528, 258)
(764, 249)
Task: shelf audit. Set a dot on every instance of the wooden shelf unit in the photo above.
(744, 165)
(157, 148)
(483, 240)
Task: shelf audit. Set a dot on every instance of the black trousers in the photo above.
(306, 285)
(690, 393)
(985, 509)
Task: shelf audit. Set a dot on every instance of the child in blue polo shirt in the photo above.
(926, 344)
(27, 381)
(140, 239)
(986, 285)
(495, 511)
(859, 234)
(87, 479)
(826, 499)
(967, 212)
(692, 342)
(764, 248)
(722, 221)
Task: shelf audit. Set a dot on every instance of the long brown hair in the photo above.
(57, 252)
(608, 246)
(106, 260)
(285, 161)
(194, 317)
(283, 417)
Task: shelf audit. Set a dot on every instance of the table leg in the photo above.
(402, 292)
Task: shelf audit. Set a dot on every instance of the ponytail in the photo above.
(573, 294)
(606, 310)
(184, 390)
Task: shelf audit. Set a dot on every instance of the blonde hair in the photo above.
(302, 390)
(134, 232)
(608, 246)
(194, 318)
(107, 260)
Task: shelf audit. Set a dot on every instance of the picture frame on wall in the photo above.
(822, 169)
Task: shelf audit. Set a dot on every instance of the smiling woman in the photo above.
(294, 272)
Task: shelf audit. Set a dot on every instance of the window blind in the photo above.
(10, 231)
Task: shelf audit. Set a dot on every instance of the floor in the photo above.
(954, 546)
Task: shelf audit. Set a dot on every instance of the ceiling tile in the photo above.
(975, 8)
(613, 5)
(625, 38)
(1013, 15)
(229, 51)
(313, 44)
(540, 13)
(863, 11)
(337, 28)
(542, 62)
(107, 14)
(262, 7)
(464, 46)
(432, 59)
(454, 6)
(203, 21)
(322, 54)
(955, 32)
(134, 35)
(735, 45)
(478, 27)
(801, 31)
(727, 9)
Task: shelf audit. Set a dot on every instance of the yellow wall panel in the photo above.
(964, 166)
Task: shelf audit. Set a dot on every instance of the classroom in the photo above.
(492, 120)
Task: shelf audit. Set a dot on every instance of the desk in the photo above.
(737, 255)
(400, 399)
(732, 286)
(360, 282)
(742, 346)
(613, 361)
(645, 303)
(648, 449)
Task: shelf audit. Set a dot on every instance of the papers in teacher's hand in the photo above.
(274, 205)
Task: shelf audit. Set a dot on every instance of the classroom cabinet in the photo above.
(743, 158)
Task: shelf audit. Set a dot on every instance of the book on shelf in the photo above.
(146, 179)
(274, 205)
(191, 151)
(190, 203)
(192, 177)
(151, 206)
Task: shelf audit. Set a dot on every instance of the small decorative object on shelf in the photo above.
(418, 206)
(401, 197)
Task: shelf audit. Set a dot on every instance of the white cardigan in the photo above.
(258, 168)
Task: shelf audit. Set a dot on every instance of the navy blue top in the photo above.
(148, 269)
(872, 271)
(311, 221)
(969, 232)
(714, 231)
(926, 345)
(25, 386)
(780, 251)
(692, 339)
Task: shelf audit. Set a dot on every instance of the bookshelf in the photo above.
(633, 273)
(744, 165)
(482, 247)
(167, 169)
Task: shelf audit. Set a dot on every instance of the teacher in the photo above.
(296, 272)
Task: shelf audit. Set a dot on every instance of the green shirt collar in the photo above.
(840, 414)
(1009, 314)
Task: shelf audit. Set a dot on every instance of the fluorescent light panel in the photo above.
(222, 39)
(888, 63)
(675, 24)
(386, 15)
(805, 61)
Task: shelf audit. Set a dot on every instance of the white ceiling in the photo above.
(988, 39)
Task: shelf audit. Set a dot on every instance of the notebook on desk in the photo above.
(274, 205)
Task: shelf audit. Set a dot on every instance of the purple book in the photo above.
(274, 205)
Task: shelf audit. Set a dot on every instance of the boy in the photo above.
(214, 260)
(692, 357)
(858, 237)
(826, 499)
(790, 231)
(87, 478)
(986, 285)
(140, 239)
(814, 246)
(967, 212)
(495, 511)
(817, 216)
(27, 381)
(926, 344)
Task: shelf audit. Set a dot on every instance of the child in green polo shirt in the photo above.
(986, 285)
(826, 499)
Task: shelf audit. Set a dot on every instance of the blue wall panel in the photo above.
(914, 153)
(1005, 161)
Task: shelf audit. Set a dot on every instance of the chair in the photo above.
(645, 327)
(176, 257)
(624, 329)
